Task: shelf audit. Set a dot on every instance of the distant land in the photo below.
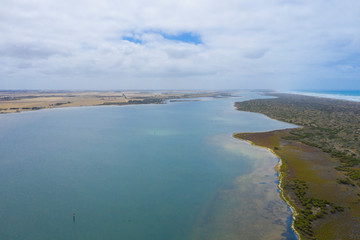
(320, 169)
(28, 100)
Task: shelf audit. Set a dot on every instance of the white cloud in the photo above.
(245, 44)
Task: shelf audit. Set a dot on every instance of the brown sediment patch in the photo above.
(317, 169)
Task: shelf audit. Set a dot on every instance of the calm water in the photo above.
(169, 171)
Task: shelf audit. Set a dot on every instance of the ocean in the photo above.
(349, 95)
(163, 171)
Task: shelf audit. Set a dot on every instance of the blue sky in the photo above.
(203, 44)
(180, 37)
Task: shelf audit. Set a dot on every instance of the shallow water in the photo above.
(169, 171)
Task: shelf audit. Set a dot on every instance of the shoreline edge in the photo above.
(277, 167)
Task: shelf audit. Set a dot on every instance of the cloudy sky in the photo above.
(187, 44)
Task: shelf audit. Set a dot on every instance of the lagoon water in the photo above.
(169, 171)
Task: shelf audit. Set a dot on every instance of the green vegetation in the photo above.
(140, 101)
(331, 125)
(353, 174)
(321, 172)
(310, 208)
(37, 108)
(147, 101)
(345, 181)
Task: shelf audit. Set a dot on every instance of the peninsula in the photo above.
(320, 173)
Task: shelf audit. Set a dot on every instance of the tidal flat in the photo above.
(159, 171)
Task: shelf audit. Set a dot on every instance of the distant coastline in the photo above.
(19, 101)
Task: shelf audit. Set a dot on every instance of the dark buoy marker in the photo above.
(73, 217)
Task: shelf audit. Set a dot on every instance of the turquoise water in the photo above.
(336, 92)
(349, 95)
(169, 171)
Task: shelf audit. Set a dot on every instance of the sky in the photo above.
(187, 44)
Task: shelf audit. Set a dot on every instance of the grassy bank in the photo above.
(320, 161)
